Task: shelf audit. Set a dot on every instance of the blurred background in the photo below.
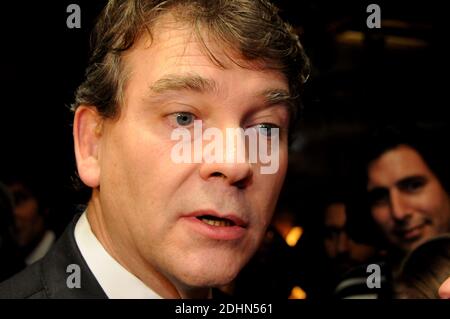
(360, 78)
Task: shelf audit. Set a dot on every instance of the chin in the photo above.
(210, 274)
(210, 280)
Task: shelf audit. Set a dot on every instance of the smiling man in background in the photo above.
(405, 190)
(154, 228)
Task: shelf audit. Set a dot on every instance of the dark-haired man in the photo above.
(402, 199)
(408, 201)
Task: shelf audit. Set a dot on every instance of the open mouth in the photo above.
(217, 226)
(216, 221)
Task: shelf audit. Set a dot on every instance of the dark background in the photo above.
(360, 78)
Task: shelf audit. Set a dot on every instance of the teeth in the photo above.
(221, 223)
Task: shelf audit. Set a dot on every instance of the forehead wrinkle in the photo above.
(183, 60)
(192, 42)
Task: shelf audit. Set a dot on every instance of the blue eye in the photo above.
(268, 129)
(184, 118)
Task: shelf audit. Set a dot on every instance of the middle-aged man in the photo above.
(406, 190)
(156, 228)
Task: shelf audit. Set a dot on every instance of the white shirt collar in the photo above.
(116, 281)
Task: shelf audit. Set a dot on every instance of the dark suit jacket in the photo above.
(47, 278)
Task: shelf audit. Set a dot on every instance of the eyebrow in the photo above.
(197, 83)
(279, 97)
(176, 82)
(401, 183)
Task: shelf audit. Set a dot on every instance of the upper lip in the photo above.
(209, 212)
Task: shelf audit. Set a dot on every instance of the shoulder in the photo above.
(48, 278)
(27, 284)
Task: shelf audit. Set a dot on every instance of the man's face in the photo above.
(155, 206)
(408, 202)
(339, 247)
(336, 239)
(29, 222)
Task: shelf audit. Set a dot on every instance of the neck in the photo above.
(126, 253)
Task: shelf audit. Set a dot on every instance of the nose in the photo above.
(233, 166)
(399, 208)
(235, 174)
(444, 290)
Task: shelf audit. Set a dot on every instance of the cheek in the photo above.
(134, 154)
(435, 203)
(142, 172)
(441, 215)
(27, 210)
(129, 168)
(277, 179)
(273, 182)
(265, 194)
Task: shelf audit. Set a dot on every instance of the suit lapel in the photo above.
(56, 274)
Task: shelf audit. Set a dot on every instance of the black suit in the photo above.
(47, 278)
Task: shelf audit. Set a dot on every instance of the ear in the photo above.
(87, 133)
